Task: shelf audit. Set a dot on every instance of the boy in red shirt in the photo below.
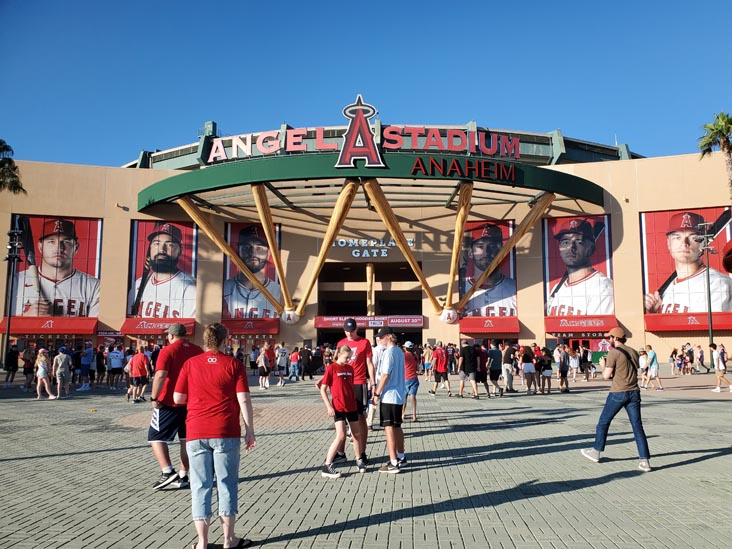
(339, 377)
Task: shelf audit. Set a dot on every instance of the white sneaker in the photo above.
(716, 390)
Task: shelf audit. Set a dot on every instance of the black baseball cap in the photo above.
(350, 325)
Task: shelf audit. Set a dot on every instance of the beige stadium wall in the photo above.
(632, 186)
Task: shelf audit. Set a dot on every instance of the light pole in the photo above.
(708, 250)
(14, 245)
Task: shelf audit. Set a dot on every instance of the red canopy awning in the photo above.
(70, 325)
(252, 326)
(155, 326)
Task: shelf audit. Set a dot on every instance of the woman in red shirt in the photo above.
(215, 388)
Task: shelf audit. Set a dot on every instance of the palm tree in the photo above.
(9, 172)
(719, 135)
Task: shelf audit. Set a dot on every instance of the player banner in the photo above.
(241, 298)
(675, 274)
(577, 271)
(162, 280)
(58, 275)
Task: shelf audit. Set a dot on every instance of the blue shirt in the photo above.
(392, 364)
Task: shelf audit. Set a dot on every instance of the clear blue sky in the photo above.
(97, 82)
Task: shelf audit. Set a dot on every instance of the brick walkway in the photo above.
(493, 473)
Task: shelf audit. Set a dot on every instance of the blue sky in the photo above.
(97, 82)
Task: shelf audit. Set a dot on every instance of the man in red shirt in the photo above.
(439, 362)
(363, 380)
(169, 419)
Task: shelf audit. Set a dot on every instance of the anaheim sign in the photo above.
(361, 141)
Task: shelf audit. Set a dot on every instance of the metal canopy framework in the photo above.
(311, 181)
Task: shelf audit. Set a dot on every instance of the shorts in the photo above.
(427, 365)
(412, 386)
(440, 376)
(467, 376)
(391, 415)
(263, 372)
(350, 417)
(139, 381)
(361, 392)
(529, 368)
(495, 374)
(166, 423)
(481, 377)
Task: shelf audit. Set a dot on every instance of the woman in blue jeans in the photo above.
(215, 388)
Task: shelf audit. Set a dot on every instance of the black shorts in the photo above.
(166, 423)
(139, 381)
(495, 374)
(361, 390)
(350, 417)
(391, 415)
(440, 376)
(481, 377)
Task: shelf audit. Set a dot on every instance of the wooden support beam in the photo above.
(466, 193)
(265, 217)
(373, 189)
(202, 221)
(337, 218)
(538, 209)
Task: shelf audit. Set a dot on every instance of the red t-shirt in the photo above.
(138, 365)
(211, 381)
(339, 377)
(171, 359)
(410, 365)
(439, 359)
(361, 351)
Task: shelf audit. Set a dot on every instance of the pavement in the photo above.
(77, 473)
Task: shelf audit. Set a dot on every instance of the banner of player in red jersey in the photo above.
(675, 269)
(497, 295)
(59, 271)
(162, 281)
(577, 266)
(241, 298)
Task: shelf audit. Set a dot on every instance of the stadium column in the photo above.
(200, 219)
(373, 189)
(466, 193)
(539, 207)
(337, 218)
(265, 217)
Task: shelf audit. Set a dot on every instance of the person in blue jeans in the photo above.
(622, 368)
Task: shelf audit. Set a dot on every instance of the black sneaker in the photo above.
(402, 462)
(328, 472)
(339, 457)
(389, 468)
(165, 479)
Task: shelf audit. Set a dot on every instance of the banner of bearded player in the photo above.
(60, 267)
(496, 297)
(162, 280)
(675, 270)
(242, 300)
(578, 272)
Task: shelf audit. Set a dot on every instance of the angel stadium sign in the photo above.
(367, 143)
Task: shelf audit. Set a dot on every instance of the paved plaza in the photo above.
(507, 472)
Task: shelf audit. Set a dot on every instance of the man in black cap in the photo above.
(163, 291)
(241, 298)
(59, 289)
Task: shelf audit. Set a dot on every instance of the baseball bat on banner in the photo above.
(714, 230)
(597, 230)
(29, 249)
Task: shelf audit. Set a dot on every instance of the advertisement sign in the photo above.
(59, 274)
(241, 298)
(162, 281)
(676, 279)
